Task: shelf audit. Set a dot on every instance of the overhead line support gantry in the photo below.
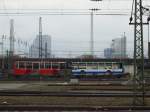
(138, 76)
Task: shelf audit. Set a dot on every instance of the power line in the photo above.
(63, 12)
(57, 14)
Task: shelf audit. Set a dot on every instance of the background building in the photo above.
(46, 47)
(119, 47)
(108, 53)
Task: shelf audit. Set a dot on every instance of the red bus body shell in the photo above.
(49, 72)
(30, 71)
(19, 72)
(43, 72)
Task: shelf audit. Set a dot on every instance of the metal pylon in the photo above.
(138, 78)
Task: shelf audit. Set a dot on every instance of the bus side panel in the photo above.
(97, 72)
(22, 71)
(29, 71)
(87, 72)
(19, 72)
(48, 72)
(116, 72)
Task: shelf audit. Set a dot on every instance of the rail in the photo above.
(70, 108)
(71, 94)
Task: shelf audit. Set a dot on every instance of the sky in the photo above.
(70, 33)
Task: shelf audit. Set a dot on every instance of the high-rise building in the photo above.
(46, 47)
(119, 47)
(108, 53)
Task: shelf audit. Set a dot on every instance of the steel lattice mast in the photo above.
(138, 77)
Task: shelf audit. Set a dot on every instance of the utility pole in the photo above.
(46, 50)
(3, 36)
(148, 44)
(138, 76)
(92, 37)
(92, 32)
(148, 38)
(124, 45)
(11, 52)
(40, 37)
(50, 47)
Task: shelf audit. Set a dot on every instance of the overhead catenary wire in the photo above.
(32, 12)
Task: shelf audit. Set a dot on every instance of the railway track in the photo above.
(71, 94)
(63, 79)
(72, 108)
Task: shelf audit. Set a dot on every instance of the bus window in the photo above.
(120, 65)
(75, 66)
(114, 66)
(101, 66)
(92, 66)
(108, 65)
(42, 65)
(117, 65)
(35, 65)
(29, 65)
(21, 65)
(62, 65)
(55, 65)
(82, 65)
(17, 64)
(47, 65)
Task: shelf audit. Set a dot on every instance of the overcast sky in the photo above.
(71, 33)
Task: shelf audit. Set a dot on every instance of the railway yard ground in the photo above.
(98, 94)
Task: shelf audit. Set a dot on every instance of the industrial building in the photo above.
(46, 47)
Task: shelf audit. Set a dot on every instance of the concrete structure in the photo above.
(119, 47)
(46, 47)
(108, 53)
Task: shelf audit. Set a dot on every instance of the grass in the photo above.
(69, 101)
(46, 87)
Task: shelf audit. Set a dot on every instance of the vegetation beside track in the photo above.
(72, 101)
(68, 101)
(62, 88)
